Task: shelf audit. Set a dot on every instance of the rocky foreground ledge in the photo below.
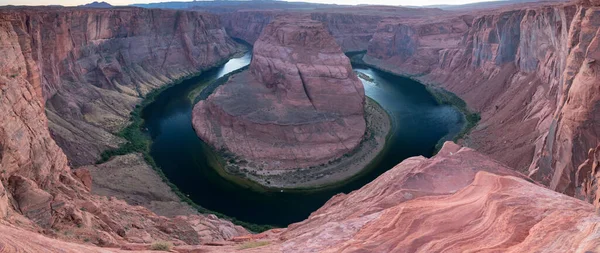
(456, 201)
(299, 105)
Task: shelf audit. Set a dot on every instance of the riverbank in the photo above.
(339, 171)
(138, 141)
(441, 95)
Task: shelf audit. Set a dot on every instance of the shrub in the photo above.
(253, 244)
(164, 246)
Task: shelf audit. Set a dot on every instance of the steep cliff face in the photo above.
(38, 191)
(300, 104)
(530, 72)
(94, 65)
(247, 25)
(351, 31)
(26, 148)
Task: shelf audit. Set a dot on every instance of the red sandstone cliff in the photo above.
(299, 105)
(38, 191)
(351, 27)
(93, 65)
(351, 31)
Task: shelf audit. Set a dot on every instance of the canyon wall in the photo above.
(44, 60)
(351, 31)
(93, 66)
(299, 104)
(530, 72)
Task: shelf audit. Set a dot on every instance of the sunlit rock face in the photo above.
(299, 104)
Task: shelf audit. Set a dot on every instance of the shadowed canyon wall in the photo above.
(93, 66)
(531, 73)
(351, 31)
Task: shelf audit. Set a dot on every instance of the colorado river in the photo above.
(419, 122)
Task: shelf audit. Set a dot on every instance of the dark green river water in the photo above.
(419, 122)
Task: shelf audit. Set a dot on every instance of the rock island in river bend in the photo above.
(298, 116)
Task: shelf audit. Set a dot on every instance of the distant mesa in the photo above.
(96, 5)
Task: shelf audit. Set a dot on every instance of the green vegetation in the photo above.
(139, 142)
(163, 246)
(445, 97)
(253, 244)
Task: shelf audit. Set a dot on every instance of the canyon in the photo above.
(524, 179)
(95, 66)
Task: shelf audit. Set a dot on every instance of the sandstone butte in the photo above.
(299, 105)
(530, 70)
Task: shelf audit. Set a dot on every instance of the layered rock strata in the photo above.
(300, 104)
(38, 190)
(94, 65)
(530, 72)
(457, 201)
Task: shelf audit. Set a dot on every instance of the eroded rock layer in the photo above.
(93, 65)
(457, 201)
(300, 104)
